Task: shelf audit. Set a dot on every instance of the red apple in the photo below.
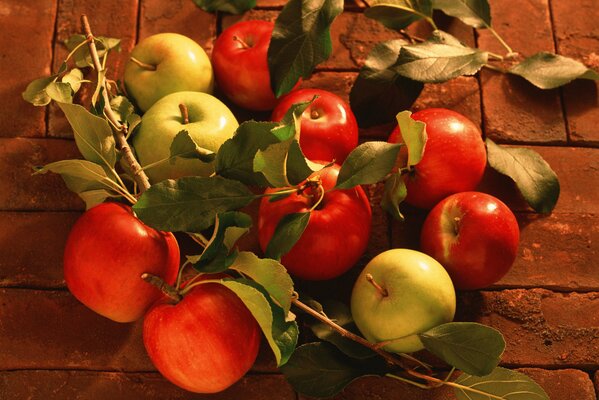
(204, 343)
(337, 232)
(454, 157)
(329, 131)
(240, 64)
(474, 236)
(107, 251)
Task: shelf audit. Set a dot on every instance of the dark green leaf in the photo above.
(74, 78)
(184, 146)
(368, 163)
(476, 13)
(60, 92)
(399, 14)
(534, 178)
(548, 71)
(270, 274)
(93, 135)
(278, 197)
(288, 231)
(190, 204)
(321, 370)
(301, 40)
(379, 91)
(439, 59)
(280, 333)
(395, 192)
(502, 384)
(228, 6)
(414, 136)
(473, 348)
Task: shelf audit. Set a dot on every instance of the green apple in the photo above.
(166, 63)
(210, 124)
(399, 294)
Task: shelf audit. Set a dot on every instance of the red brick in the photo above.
(37, 240)
(19, 190)
(577, 36)
(70, 385)
(541, 328)
(564, 383)
(111, 18)
(25, 55)
(514, 110)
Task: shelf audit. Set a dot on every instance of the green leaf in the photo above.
(378, 91)
(288, 231)
(60, 92)
(217, 255)
(503, 384)
(321, 370)
(548, 71)
(301, 40)
(399, 14)
(298, 166)
(35, 93)
(122, 107)
(74, 78)
(280, 334)
(94, 197)
(475, 13)
(473, 348)
(535, 179)
(184, 146)
(368, 163)
(441, 58)
(395, 192)
(82, 56)
(414, 136)
(190, 204)
(270, 274)
(93, 135)
(228, 6)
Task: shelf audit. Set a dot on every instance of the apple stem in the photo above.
(162, 286)
(142, 64)
(184, 113)
(456, 225)
(314, 114)
(243, 44)
(378, 287)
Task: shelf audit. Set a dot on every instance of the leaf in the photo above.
(320, 370)
(475, 13)
(535, 179)
(288, 231)
(502, 383)
(298, 166)
(60, 92)
(414, 136)
(190, 204)
(378, 91)
(74, 78)
(82, 56)
(399, 14)
(548, 71)
(368, 163)
(280, 334)
(122, 107)
(228, 6)
(395, 192)
(270, 274)
(441, 58)
(184, 146)
(35, 93)
(473, 348)
(93, 135)
(94, 197)
(301, 40)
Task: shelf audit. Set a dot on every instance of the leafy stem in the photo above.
(500, 39)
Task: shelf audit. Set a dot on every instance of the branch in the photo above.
(121, 130)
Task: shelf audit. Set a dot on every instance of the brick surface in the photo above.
(577, 36)
(19, 190)
(111, 18)
(514, 110)
(34, 250)
(25, 55)
(83, 385)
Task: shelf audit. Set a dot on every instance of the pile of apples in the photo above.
(203, 338)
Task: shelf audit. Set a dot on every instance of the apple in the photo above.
(474, 236)
(107, 251)
(329, 131)
(166, 63)
(204, 343)
(210, 124)
(454, 158)
(239, 58)
(399, 294)
(337, 232)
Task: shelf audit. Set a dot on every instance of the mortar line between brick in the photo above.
(52, 44)
(138, 20)
(119, 371)
(480, 91)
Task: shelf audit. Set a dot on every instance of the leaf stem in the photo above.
(500, 39)
(441, 382)
(409, 381)
(494, 68)
(80, 45)
(180, 274)
(322, 192)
